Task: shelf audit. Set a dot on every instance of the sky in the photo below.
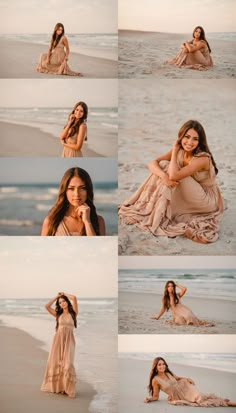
(38, 267)
(177, 16)
(186, 262)
(190, 343)
(78, 16)
(58, 93)
(51, 170)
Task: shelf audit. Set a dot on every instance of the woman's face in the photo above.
(197, 33)
(76, 192)
(170, 288)
(79, 112)
(59, 31)
(190, 141)
(63, 303)
(161, 366)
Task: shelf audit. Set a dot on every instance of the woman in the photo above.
(75, 132)
(181, 391)
(74, 213)
(181, 196)
(55, 60)
(60, 374)
(181, 315)
(194, 54)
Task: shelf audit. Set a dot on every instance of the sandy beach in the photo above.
(19, 60)
(136, 310)
(150, 115)
(134, 380)
(142, 55)
(23, 363)
(22, 140)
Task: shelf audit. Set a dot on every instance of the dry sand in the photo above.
(19, 60)
(142, 55)
(136, 310)
(150, 115)
(22, 370)
(21, 140)
(133, 383)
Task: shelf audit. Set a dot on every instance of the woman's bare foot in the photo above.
(71, 395)
(189, 235)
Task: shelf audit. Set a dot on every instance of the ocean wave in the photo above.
(97, 302)
(8, 189)
(26, 195)
(42, 207)
(16, 222)
(109, 125)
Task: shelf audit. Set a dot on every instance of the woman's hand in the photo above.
(176, 146)
(84, 213)
(147, 400)
(168, 182)
(60, 294)
(71, 118)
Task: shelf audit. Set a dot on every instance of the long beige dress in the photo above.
(182, 315)
(57, 65)
(60, 373)
(199, 60)
(71, 153)
(195, 204)
(182, 393)
(62, 230)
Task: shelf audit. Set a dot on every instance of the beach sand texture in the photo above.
(19, 60)
(23, 365)
(150, 115)
(22, 140)
(133, 383)
(142, 55)
(136, 310)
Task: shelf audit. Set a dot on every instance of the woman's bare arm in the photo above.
(155, 168)
(49, 308)
(66, 44)
(74, 301)
(45, 227)
(194, 48)
(80, 138)
(182, 290)
(161, 312)
(156, 391)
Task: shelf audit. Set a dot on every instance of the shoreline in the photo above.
(134, 380)
(13, 66)
(24, 363)
(17, 141)
(136, 310)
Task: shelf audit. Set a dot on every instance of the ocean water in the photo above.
(97, 45)
(52, 120)
(96, 341)
(216, 361)
(24, 207)
(220, 284)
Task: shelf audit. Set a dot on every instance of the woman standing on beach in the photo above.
(181, 196)
(195, 53)
(181, 391)
(74, 213)
(55, 60)
(60, 376)
(75, 132)
(181, 315)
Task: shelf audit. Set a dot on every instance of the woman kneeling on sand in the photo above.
(181, 315)
(181, 391)
(195, 53)
(181, 196)
(75, 132)
(74, 213)
(55, 60)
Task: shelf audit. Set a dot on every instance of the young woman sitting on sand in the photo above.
(74, 213)
(60, 376)
(181, 196)
(195, 53)
(181, 315)
(181, 391)
(55, 60)
(75, 132)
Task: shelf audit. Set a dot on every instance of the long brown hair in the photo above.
(77, 122)
(154, 372)
(55, 38)
(202, 36)
(59, 310)
(58, 212)
(166, 296)
(202, 144)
